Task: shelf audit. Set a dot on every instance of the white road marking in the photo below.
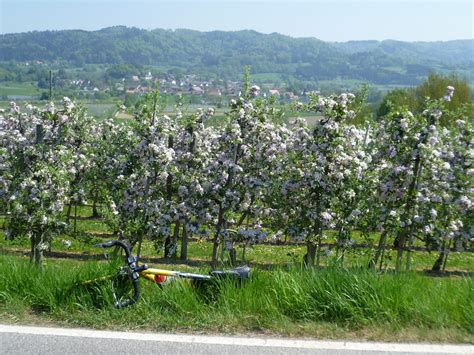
(242, 341)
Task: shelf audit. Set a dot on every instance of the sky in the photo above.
(336, 20)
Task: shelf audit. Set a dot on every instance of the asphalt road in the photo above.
(40, 340)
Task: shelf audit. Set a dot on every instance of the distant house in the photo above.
(135, 78)
(290, 95)
(148, 76)
(214, 92)
(196, 90)
(175, 90)
(274, 92)
(132, 90)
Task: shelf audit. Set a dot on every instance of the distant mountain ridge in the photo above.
(450, 52)
(225, 53)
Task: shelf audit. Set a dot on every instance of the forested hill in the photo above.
(450, 52)
(225, 53)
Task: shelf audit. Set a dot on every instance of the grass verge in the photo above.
(327, 303)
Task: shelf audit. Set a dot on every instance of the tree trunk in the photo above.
(223, 248)
(340, 245)
(410, 247)
(215, 241)
(442, 257)
(75, 218)
(310, 256)
(6, 216)
(233, 256)
(170, 242)
(382, 258)
(95, 212)
(37, 249)
(38, 257)
(172, 251)
(32, 247)
(139, 246)
(381, 246)
(184, 241)
(401, 245)
(215, 250)
(446, 254)
(169, 195)
(220, 219)
(168, 245)
(184, 244)
(439, 261)
(68, 213)
(417, 166)
(318, 253)
(313, 250)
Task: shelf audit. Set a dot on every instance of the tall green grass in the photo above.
(280, 301)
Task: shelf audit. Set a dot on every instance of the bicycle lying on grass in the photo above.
(125, 285)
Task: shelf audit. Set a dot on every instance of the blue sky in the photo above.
(337, 20)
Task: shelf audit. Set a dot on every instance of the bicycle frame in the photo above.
(159, 275)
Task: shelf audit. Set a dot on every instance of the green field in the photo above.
(100, 109)
(18, 89)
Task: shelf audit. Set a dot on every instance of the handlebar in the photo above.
(112, 243)
(132, 264)
(136, 294)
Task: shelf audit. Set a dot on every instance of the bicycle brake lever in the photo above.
(141, 267)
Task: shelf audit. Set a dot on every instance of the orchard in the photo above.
(252, 178)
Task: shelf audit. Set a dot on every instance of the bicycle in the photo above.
(132, 271)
